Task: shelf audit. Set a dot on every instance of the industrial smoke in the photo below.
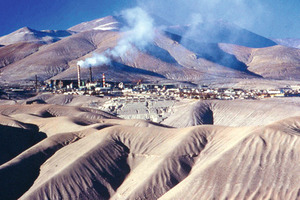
(138, 32)
(244, 13)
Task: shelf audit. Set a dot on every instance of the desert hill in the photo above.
(89, 154)
(173, 55)
(232, 113)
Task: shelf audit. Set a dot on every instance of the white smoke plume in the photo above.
(93, 61)
(244, 13)
(139, 31)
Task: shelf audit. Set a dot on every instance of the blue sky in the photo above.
(55, 14)
(270, 18)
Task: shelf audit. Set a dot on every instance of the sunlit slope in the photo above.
(275, 62)
(261, 165)
(232, 113)
(88, 154)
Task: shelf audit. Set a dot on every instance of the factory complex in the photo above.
(139, 90)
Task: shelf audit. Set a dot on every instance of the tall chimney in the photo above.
(78, 75)
(36, 82)
(103, 79)
(91, 76)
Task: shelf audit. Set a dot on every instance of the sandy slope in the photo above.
(259, 166)
(89, 154)
(232, 113)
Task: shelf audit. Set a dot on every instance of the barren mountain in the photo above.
(50, 60)
(174, 57)
(154, 62)
(80, 153)
(27, 34)
(276, 62)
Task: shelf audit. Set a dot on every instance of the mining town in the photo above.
(140, 91)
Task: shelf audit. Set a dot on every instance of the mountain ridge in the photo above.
(171, 56)
(27, 34)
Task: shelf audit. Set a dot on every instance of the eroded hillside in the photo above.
(84, 153)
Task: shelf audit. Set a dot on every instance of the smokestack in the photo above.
(103, 79)
(91, 76)
(78, 75)
(36, 82)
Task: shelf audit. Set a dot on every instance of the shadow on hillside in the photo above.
(117, 70)
(14, 141)
(159, 53)
(36, 101)
(126, 68)
(221, 32)
(16, 179)
(203, 114)
(213, 53)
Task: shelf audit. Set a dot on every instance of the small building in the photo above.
(54, 84)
